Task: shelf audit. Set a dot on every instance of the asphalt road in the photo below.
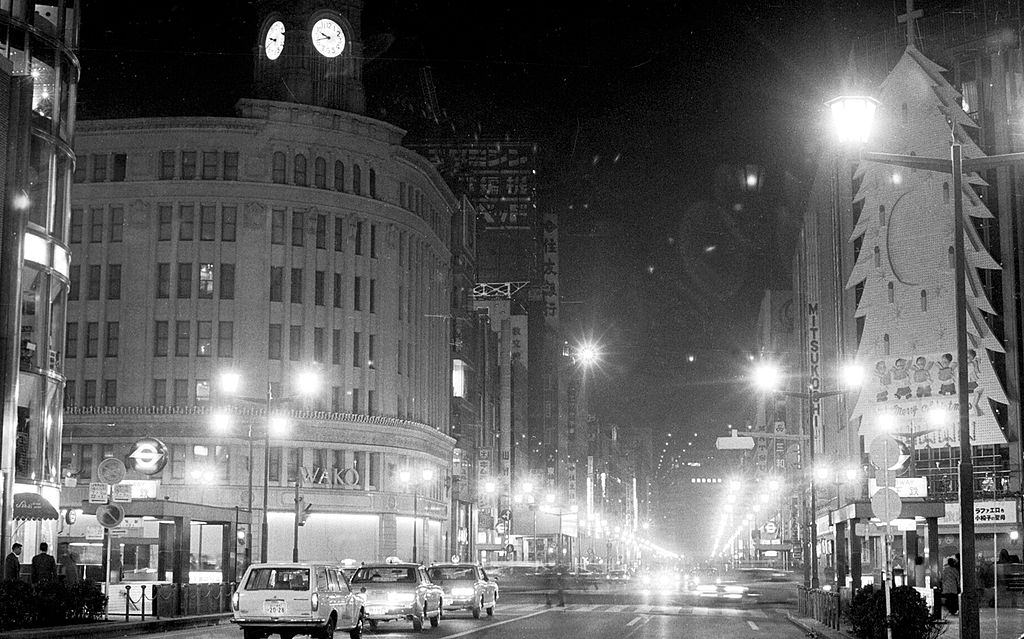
(602, 615)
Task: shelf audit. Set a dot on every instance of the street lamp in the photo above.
(307, 385)
(768, 377)
(406, 477)
(856, 113)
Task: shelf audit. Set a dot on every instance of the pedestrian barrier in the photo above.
(176, 600)
(820, 605)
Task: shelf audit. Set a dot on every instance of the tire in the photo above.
(490, 608)
(252, 633)
(357, 630)
(328, 631)
(477, 607)
(436, 619)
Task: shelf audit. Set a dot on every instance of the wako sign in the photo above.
(337, 477)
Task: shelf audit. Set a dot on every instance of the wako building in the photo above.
(299, 236)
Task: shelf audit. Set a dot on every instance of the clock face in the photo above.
(274, 43)
(328, 38)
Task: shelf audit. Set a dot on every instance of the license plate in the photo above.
(376, 610)
(273, 608)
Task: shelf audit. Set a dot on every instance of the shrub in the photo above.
(24, 605)
(911, 618)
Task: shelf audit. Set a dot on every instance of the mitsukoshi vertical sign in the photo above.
(814, 363)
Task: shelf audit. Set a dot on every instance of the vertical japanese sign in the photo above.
(813, 338)
(550, 270)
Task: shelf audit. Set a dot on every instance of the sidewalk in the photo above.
(1009, 621)
(105, 629)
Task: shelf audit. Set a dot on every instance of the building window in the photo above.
(339, 234)
(355, 401)
(227, 281)
(886, 344)
(299, 172)
(373, 183)
(188, 165)
(206, 281)
(184, 280)
(401, 298)
(186, 222)
(336, 405)
(337, 290)
(228, 223)
(924, 300)
(204, 338)
(110, 392)
(92, 339)
(210, 165)
(182, 338)
(207, 222)
(950, 257)
(71, 340)
(274, 342)
(295, 343)
(878, 256)
(318, 345)
(163, 228)
(277, 226)
(181, 392)
(373, 240)
(292, 461)
(399, 358)
(75, 276)
(321, 231)
(357, 303)
(891, 292)
(69, 396)
(320, 173)
(370, 402)
(80, 169)
(116, 223)
(93, 289)
(159, 392)
(160, 338)
(274, 468)
(357, 179)
(225, 339)
(335, 346)
(163, 280)
(167, 164)
(881, 214)
(296, 286)
(96, 225)
(99, 168)
(356, 360)
(371, 341)
(113, 339)
(231, 165)
(90, 393)
(203, 393)
(359, 238)
(76, 226)
(373, 295)
(276, 283)
(339, 175)
(318, 288)
(120, 167)
(278, 170)
(113, 281)
(297, 228)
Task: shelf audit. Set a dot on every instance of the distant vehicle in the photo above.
(663, 580)
(466, 587)
(398, 591)
(617, 575)
(701, 577)
(296, 598)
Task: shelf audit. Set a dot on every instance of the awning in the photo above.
(33, 507)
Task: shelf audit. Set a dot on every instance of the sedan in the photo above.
(466, 587)
(398, 591)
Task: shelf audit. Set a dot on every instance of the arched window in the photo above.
(373, 183)
(886, 343)
(320, 173)
(945, 191)
(892, 292)
(278, 168)
(339, 175)
(357, 180)
(881, 214)
(300, 170)
(924, 300)
(878, 256)
(951, 257)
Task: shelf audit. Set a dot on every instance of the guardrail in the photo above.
(176, 600)
(821, 605)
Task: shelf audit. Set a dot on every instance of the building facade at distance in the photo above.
(296, 237)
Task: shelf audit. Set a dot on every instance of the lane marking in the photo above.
(753, 626)
(635, 620)
(498, 623)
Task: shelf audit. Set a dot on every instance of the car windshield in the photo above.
(439, 574)
(384, 574)
(278, 579)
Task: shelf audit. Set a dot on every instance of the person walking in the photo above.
(44, 567)
(69, 568)
(951, 586)
(12, 564)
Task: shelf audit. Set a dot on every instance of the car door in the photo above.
(432, 592)
(337, 598)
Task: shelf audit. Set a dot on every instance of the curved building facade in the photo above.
(290, 239)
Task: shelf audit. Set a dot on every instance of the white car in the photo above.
(291, 599)
(466, 587)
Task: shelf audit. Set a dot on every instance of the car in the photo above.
(701, 576)
(466, 587)
(398, 591)
(661, 580)
(296, 598)
(617, 575)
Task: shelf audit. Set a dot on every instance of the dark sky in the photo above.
(635, 106)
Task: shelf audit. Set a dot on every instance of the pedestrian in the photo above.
(44, 567)
(560, 584)
(12, 564)
(951, 586)
(70, 568)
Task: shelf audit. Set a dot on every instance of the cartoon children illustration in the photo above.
(947, 383)
(884, 379)
(901, 377)
(922, 377)
(973, 372)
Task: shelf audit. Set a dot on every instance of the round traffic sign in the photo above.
(770, 527)
(109, 515)
(886, 504)
(111, 471)
(148, 456)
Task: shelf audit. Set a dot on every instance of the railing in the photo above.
(177, 600)
(820, 605)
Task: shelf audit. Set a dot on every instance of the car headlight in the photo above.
(645, 580)
(462, 592)
(736, 590)
(706, 588)
(401, 597)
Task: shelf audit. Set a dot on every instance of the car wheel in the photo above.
(436, 619)
(490, 608)
(252, 633)
(357, 630)
(477, 607)
(328, 631)
(373, 624)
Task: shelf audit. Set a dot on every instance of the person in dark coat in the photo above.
(12, 564)
(69, 568)
(951, 586)
(44, 567)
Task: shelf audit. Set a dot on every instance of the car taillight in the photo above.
(314, 601)
(234, 601)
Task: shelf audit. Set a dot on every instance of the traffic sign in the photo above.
(886, 504)
(111, 471)
(148, 456)
(501, 528)
(109, 515)
(122, 494)
(98, 492)
(510, 549)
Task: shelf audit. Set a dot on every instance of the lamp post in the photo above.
(307, 384)
(406, 477)
(853, 117)
(767, 376)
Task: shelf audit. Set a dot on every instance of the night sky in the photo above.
(635, 106)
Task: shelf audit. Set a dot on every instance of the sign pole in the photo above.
(106, 537)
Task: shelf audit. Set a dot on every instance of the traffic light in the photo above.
(304, 514)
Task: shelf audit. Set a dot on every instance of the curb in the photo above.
(103, 629)
(815, 628)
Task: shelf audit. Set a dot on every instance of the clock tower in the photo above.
(310, 52)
